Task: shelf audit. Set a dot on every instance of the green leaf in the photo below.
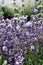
(1, 59)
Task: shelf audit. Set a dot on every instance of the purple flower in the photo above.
(15, 18)
(34, 39)
(35, 11)
(28, 24)
(5, 48)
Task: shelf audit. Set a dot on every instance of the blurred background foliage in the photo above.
(39, 5)
(8, 12)
(1, 11)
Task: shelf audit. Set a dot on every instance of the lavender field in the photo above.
(21, 35)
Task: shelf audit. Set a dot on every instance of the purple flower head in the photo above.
(5, 48)
(7, 21)
(18, 28)
(34, 39)
(35, 11)
(28, 24)
(15, 18)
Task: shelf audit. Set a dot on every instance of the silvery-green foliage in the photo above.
(39, 5)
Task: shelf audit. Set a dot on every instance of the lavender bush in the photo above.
(21, 41)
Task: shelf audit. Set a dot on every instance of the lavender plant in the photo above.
(21, 41)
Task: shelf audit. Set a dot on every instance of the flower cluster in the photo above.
(16, 34)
